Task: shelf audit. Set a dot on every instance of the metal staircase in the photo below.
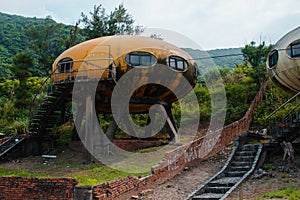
(286, 132)
(239, 166)
(288, 127)
(50, 111)
(45, 115)
(11, 143)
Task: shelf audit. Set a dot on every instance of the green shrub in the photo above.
(268, 166)
(63, 134)
(290, 193)
(17, 127)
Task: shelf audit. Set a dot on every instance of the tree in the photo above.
(74, 36)
(22, 62)
(240, 89)
(257, 56)
(46, 41)
(120, 22)
(100, 24)
(96, 26)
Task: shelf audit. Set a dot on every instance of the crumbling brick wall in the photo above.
(20, 188)
(133, 145)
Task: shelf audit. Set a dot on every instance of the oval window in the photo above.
(196, 70)
(273, 58)
(140, 59)
(293, 49)
(177, 63)
(65, 65)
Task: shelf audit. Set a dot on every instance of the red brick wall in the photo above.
(133, 145)
(19, 188)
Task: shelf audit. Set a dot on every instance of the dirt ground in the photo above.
(189, 180)
(60, 166)
(183, 184)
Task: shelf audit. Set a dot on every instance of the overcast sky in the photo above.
(210, 23)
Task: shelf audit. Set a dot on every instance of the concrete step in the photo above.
(244, 158)
(240, 164)
(235, 173)
(239, 168)
(206, 196)
(245, 153)
(225, 181)
(216, 190)
(249, 147)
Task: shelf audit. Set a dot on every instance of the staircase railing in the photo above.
(288, 118)
(293, 114)
(63, 74)
(89, 69)
(41, 93)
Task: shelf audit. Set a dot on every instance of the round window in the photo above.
(273, 59)
(65, 65)
(140, 59)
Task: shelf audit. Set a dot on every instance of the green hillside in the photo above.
(16, 33)
(14, 39)
(220, 57)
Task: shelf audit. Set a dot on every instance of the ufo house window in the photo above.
(294, 49)
(273, 58)
(196, 70)
(140, 59)
(177, 63)
(65, 65)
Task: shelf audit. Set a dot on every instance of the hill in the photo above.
(13, 40)
(221, 57)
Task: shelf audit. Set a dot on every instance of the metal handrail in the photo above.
(39, 90)
(279, 108)
(70, 76)
(284, 119)
(284, 104)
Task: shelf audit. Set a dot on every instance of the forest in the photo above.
(28, 47)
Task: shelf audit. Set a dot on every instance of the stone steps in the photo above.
(224, 182)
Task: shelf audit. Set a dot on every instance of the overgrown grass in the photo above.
(148, 150)
(21, 172)
(89, 175)
(99, 174)
(290, 193)
(269, 166)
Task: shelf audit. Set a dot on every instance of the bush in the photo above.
(17, 127)
(63, 134)
(290, 193)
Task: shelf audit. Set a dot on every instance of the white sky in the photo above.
(210, 23)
